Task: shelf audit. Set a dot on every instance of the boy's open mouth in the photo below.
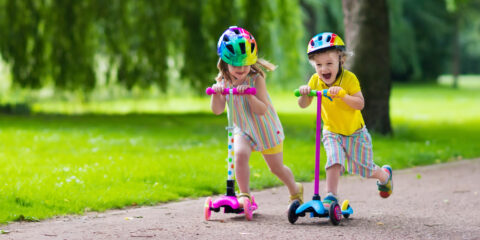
(327, 76)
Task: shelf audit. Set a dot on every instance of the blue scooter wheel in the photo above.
(292, 216)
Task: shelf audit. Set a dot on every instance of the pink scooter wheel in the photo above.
(207, 208)
(248, 209)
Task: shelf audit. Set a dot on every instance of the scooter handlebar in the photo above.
(248, 91)
(323, 92)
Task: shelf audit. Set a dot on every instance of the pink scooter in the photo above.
(229, 202)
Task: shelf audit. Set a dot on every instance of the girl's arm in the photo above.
(217, 103)
(258, 103)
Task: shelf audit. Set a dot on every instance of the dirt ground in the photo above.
(433, 202)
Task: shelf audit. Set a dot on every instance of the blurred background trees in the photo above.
(167, 45)
(136, 42)
(65, 43)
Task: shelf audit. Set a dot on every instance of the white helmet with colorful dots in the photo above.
(324, 41)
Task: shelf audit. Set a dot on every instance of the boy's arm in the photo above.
(304, 100)
(355, 101)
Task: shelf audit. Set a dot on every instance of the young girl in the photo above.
(345, 136)
(257, 126)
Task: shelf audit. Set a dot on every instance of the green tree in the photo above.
(70, 32)
(462, 14)
(59, 42)
(420, 39)
(27, 55)
(322, 16)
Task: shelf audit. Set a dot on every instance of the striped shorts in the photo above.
(355, 148)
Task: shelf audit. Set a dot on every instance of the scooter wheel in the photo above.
(335, 213)
(292, 216)
(345, 206)
(207, 208)
(247, 209)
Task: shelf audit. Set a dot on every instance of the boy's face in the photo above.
(326, 65)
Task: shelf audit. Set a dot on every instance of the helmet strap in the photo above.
(340, 68)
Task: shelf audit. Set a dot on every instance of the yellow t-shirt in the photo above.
(337, 116)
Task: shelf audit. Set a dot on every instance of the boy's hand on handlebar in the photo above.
(337, 92)
(218, 88)
(304, 90)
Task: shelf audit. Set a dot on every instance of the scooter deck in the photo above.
(316, 209)
(230, 204)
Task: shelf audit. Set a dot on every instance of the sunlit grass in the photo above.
(127, 105)
(284, 101)
(429, 103)
(464, 81)
(64, 164)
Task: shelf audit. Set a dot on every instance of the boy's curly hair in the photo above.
(344, 54)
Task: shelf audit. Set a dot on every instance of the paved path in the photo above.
(434, 202)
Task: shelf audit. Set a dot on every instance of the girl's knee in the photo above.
(277, 170)
(241, 157)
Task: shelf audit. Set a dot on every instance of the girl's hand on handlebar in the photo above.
(218, 88)
(304, 90)
(337, 92)
(241, 88)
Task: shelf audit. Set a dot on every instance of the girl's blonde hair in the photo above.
(255, 68)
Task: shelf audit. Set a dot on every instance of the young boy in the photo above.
(345, 136)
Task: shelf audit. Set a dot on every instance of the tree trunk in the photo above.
(367, 35)
(456, 50)
(310, 21)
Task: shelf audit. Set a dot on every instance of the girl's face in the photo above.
(238, 73)
(327, 66)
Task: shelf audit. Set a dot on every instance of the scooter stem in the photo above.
(230, 158)
(318, 140)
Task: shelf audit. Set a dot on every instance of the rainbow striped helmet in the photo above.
(324, 41)
(237, 47)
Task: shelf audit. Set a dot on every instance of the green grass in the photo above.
(68, 164)
(464, 81)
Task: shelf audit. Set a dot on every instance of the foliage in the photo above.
(73, 45)
(421, 33)
(322, 16)
(64, 42)
(468, 11)
(69, 164)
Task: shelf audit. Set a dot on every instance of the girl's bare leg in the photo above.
(275, 163)
(242, 169)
